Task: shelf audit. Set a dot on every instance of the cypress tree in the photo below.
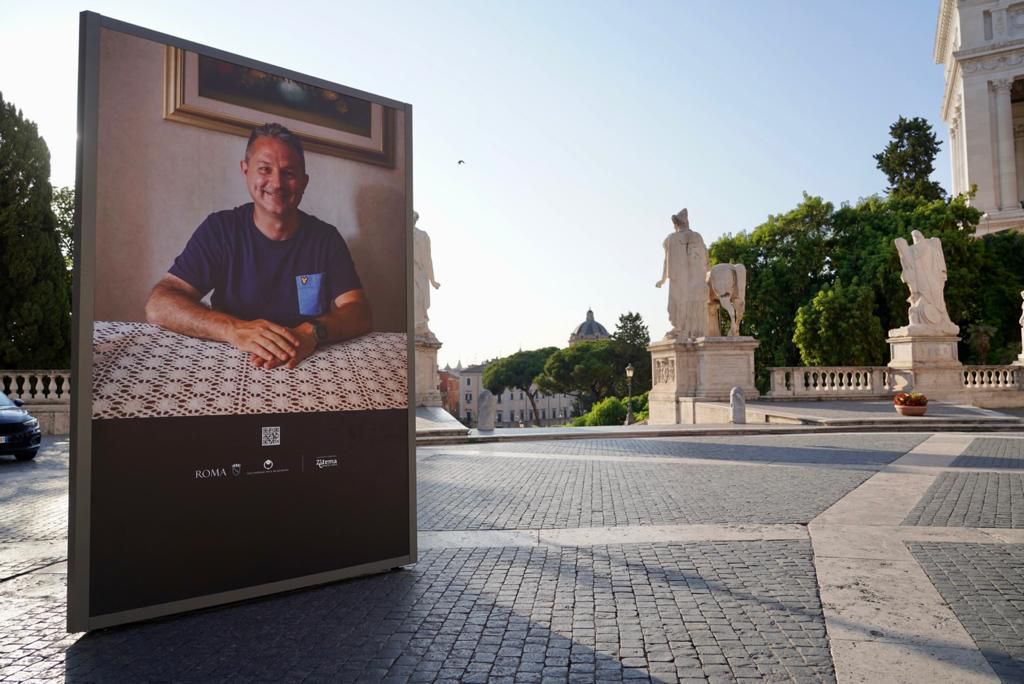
(909, 159)
(35, 301)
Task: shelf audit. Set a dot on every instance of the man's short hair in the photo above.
(277, 132)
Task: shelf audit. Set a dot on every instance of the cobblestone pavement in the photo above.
(34, 495)
(972, 500)
(865, 450)
(728, 611)
(486, 493)
(988, 452)
(582, 610)
(984, 585)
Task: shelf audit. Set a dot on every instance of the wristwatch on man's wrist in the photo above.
(319, 331)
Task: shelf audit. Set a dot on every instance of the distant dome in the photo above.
(588, 330)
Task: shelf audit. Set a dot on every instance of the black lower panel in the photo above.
(185, 507)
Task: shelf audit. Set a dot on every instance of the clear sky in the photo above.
(584, 126)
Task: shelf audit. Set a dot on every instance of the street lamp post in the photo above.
(629, 391)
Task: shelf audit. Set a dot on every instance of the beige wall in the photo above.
(157, 180)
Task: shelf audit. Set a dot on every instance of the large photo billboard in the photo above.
(241, 420)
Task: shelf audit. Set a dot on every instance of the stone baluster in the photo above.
(778, 383)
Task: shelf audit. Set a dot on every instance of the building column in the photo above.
(1007, 154)
(965, 175)
(956, 158)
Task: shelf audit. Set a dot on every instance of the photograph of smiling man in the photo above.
(283, 281)
(243, 330)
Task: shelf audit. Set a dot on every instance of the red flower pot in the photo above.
(904, 410)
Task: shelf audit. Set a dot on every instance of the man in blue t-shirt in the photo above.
(283, 281)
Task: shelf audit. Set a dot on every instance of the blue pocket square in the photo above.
(308, 287)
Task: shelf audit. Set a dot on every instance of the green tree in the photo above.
(794, 256)
(35, 309)
(909, 159)
(996, 300)
(787, 260)
(979, 340)
(839, 328)
(978, 281)
(518, 371)
(632, 330)
(586, 370)
(632, 339)
(64, 210)
(608, 411)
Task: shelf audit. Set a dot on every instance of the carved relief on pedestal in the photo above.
(664, 371)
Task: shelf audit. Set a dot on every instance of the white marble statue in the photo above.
(423, 277)
(737, 406)
(924, 272)
(727, 285)
(1022, 325)
(686, 267)
(487, 407)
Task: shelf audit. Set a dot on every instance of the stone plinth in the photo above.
(703, 368)
(427, 393)
(934, 366)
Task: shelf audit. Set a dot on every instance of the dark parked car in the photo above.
(19, 432)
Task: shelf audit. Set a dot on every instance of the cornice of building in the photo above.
(993, 58)
(997, 221)
(969, 54)
(942, 26)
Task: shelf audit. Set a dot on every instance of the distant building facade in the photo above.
(513, 407)
(448, 385)
(981, 45)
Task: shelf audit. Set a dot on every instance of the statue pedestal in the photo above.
(933, 362)
(705, 368)
(427, 393)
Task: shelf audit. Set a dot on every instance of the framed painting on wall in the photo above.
(220, 95)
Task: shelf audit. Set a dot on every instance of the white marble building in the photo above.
(981, 45)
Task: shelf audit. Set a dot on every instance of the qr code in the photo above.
(271, 436)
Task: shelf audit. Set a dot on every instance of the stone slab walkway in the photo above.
(726, 558)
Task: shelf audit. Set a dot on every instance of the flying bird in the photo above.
(461, 161)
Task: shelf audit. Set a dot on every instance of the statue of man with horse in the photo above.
(696, 291)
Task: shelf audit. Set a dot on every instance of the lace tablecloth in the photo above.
(143, 371)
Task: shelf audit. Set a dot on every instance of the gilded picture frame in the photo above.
(210, 93)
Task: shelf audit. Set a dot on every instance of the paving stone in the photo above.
(972, 500)
(870, 449)
(507, 613)
(462, 492)
(984, 585)
(313, 629)
(991, 452)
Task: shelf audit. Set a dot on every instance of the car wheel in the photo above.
(26, 455)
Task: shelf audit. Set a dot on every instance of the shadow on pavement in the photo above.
(610, 612)
(836, 453)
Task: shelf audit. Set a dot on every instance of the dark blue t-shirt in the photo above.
(252, 277)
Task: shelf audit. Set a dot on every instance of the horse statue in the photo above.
(727, 286)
